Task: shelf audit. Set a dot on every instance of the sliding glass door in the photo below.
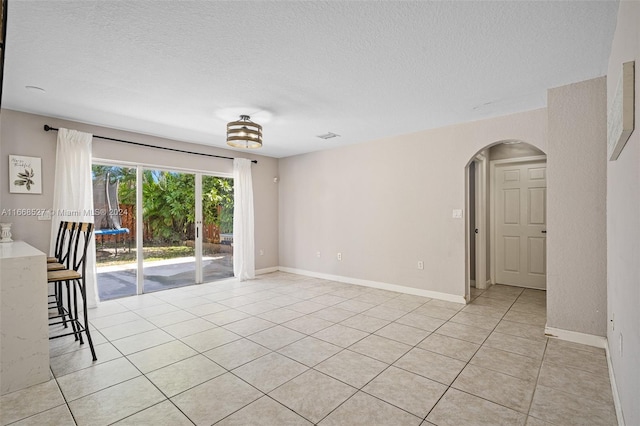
(182, 234)
(168, 215)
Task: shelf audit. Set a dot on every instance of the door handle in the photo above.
(544, 232)
(476, 231)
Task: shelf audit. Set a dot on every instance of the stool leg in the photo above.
(83, 290)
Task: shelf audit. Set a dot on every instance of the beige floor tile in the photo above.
(209, 339)
(264, 411)
(169, 318)
(328, 299)
(561, 408)
(164, 413)
(280, 315)
(340, 335)
(115, 403)
(380, 348)
(449, 346)
(59, 416)
(189, 302)
(568, 356)
(462, 409)
(365, 410)
(530, 307)
(500, 388)
(236, 353)
(402, 304)
(185, 374)
(526, 318)
(127, 329)
(30, 401)
(498, 304)
(207, 308)
(563, 344)
(424, 322)
(445, 304)
(105, 309)
(159, 309)
(403, 333)
(366, 323)
(431, 365)
(161, 356)
(308, 324)
(83, 382)
(229, 393)
(249, 326)
(313, 395)
(77, 360)
(532, 421)
(436, 311)
(257, 307)
(188, 327)
(509, 363)
(65, 345)
(284, 300)
(577, 382)
(385, 313)
(139, 301)
(276, 337)
(115, 319)
(464, 332)
(406, 390)
(519, 345)
(374, 299)
(351, 368)
(476, 320)
(333, 314)
(236, 302)
(142, 341)
(310, 351)
(355, 306)
(486, 311)
(226, 317)
(528, 331)
(270, 371)
(306, 307)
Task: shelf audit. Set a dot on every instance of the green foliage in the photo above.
(169, 201)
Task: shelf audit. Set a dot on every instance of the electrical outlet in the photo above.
(261, 252)
(339, 256)
(420, 264)
(318, 254)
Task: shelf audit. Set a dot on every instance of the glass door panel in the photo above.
(217, 228)
(114, 204)
(169, 230)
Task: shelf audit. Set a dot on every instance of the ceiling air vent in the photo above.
(328, 135)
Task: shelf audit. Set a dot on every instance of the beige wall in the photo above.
(576, 208)
(623, 227)
(387, 204)
(23, 134)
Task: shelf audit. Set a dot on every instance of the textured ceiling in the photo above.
(363, 70)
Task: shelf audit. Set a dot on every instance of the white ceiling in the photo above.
(363, 70)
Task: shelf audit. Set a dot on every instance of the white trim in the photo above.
(267, 270)
(376, 284)
(576, 337)
(614, 388)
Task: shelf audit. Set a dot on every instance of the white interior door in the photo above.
(520, 224)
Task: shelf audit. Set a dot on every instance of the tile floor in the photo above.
(292, 350)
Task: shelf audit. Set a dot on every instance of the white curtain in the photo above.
(243, 242)
(73, 195)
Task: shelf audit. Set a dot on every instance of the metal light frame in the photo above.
(244, 133)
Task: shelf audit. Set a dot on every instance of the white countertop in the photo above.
(17, 249)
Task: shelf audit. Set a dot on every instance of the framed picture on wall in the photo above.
(25, 175)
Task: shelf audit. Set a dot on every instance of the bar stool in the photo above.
(60, 261)
(74, 278)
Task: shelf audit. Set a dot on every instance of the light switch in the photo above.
(456, 214)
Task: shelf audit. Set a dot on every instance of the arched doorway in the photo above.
(500, 246)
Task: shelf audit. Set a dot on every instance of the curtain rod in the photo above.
(48, 128)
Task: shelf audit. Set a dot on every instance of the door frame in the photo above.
(492, 216)
(480, 209)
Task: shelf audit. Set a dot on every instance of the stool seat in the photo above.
(52, 260)
(55, 266)
(63, 275)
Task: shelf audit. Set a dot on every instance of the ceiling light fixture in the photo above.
(244, 133)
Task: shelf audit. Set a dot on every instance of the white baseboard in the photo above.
(267, 270)
(376, 284)
(575, 337)
(614, 388)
